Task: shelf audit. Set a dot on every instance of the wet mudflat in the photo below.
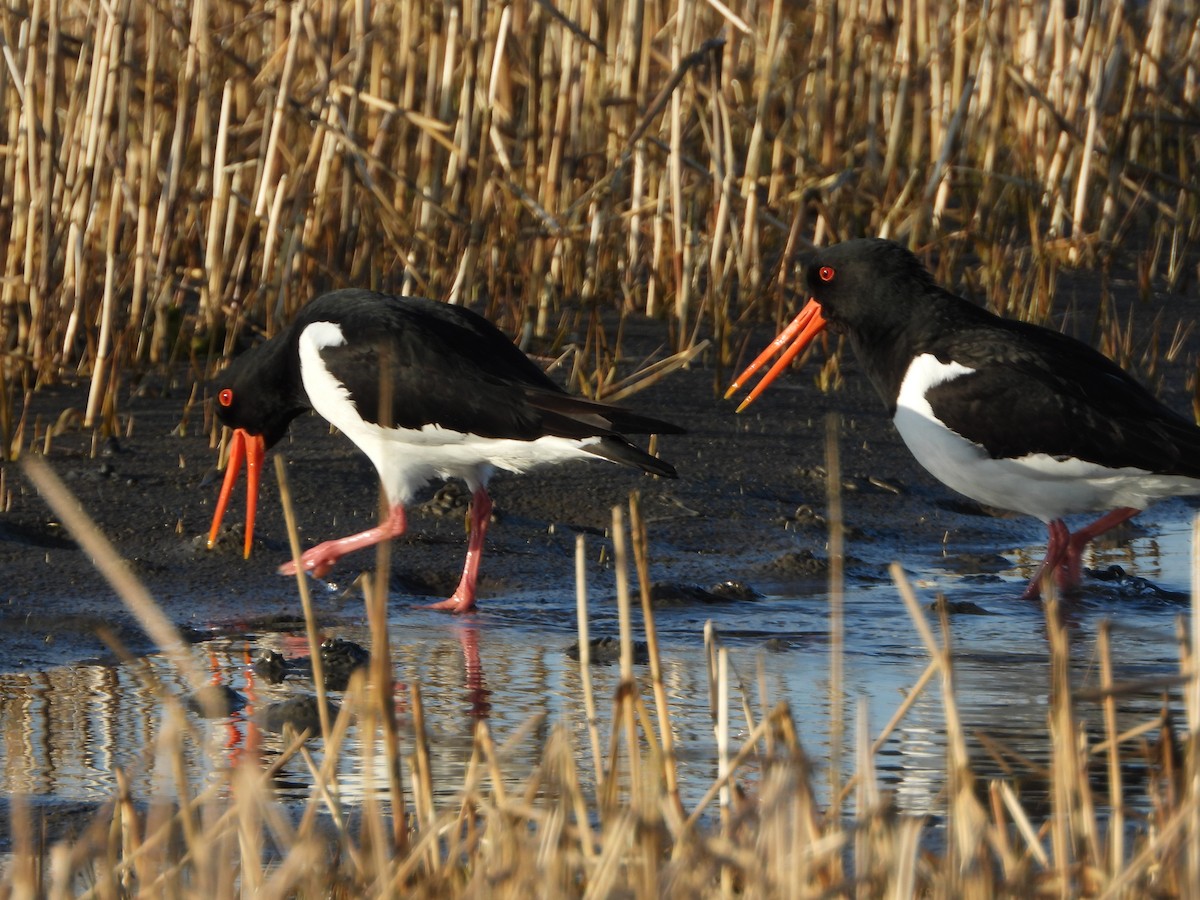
(749, 508)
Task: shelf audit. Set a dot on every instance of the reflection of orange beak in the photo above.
(798, 335)
(252, 448)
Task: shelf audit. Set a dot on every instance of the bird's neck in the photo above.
(885, 347)
(884, 359)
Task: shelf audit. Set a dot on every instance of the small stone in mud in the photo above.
(811, 473)
(1135, 585)
(670, 593)
(301, 713)
(607, 650)
(806, 516)
(271, 666)
(734, 590)
(982, 578)
(229, 539)
(215, 701)
(801, 562)
(1111, 573)
(450, 499)
(975, 563)
(962, 608)
(340, 658)
(869, 484)
(883, 485)
(453, 499)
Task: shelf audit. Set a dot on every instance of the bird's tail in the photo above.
(621, 451)
(579, 417)
(629, 422)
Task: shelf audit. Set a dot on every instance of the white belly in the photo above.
(407, 459)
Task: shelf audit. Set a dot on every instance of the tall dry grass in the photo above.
(175, 173)
(596, 819)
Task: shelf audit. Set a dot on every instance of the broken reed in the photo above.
(174, 174)
(761, 828)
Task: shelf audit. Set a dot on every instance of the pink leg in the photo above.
(1070, 569)
(463, 598)
(1056, 547)
(321, 558)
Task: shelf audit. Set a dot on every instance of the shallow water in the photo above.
(64, 732)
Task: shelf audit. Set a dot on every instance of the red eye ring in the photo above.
(225, 398)
(826, 273)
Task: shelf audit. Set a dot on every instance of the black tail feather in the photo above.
(600, 416)
(621, 451)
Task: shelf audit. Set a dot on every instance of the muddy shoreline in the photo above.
(749, 504)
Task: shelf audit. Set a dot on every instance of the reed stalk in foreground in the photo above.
(760, 829)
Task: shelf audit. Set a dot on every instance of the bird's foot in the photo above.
(459, 602)
(317, 561)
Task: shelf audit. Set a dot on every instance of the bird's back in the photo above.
(449, 367)
(1035, 390)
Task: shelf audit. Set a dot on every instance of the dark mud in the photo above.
(732, 515)
(749, 507)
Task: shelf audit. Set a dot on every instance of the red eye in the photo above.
(826, 273)
(225, 398)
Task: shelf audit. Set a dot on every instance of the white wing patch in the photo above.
(924, 374)
(324, 391)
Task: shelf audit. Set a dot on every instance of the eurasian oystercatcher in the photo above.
(427, 391)
(1010, 414)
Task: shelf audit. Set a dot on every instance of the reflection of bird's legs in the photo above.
(477, 690)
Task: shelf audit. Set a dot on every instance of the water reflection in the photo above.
(65, 732)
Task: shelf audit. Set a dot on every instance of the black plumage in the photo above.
(1059, 396)
(426, 390)
(444, 365)
(1009, 413)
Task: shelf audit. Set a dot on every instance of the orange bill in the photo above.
(798, 335)
(251, 448)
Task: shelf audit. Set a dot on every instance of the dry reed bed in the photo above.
(761, 830)
(172, 169)
(171, 173)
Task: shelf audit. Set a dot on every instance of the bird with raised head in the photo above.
(1010, 414)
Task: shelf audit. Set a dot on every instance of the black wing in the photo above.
(1038, 391)
(450, 367)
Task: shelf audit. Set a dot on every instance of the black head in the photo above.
(868, 284)
(261, 392)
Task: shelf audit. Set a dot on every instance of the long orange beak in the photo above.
(251, 448)
(799, 334)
